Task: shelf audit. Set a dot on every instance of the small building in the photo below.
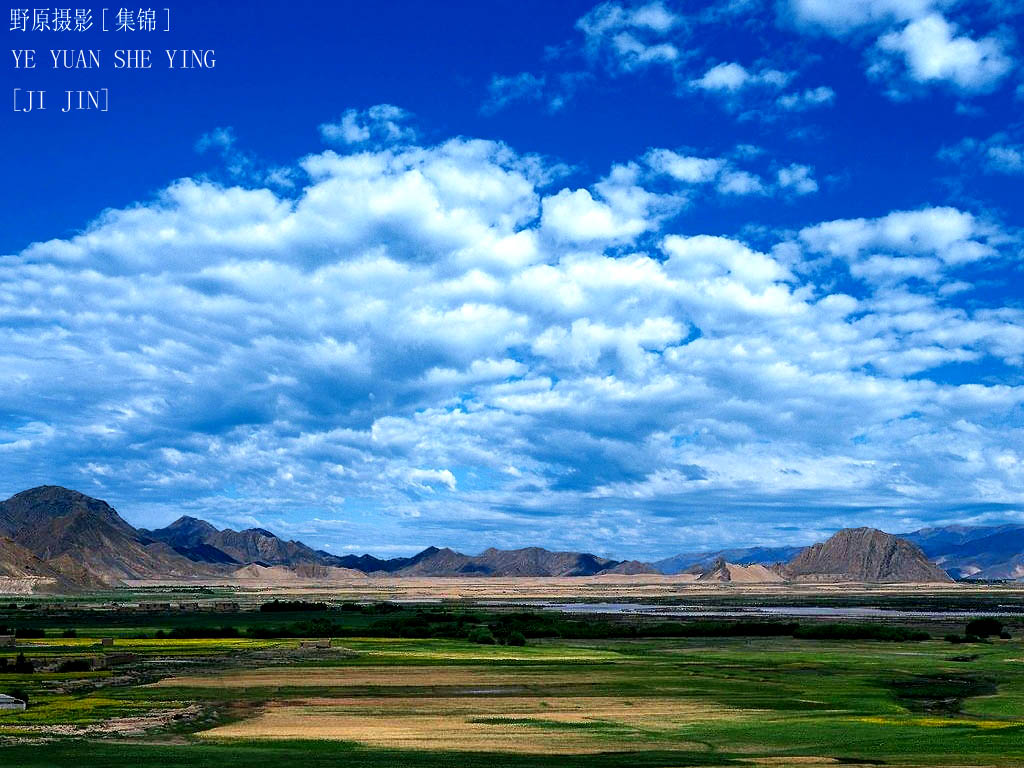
(106, 641)
(223, 605)
(154, 606)
(116, 659)
(188, 606)
(323, 643)
(6, 641)
(11, 704)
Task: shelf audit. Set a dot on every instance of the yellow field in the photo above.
(611, 586)
(387, 676)
(560, 725)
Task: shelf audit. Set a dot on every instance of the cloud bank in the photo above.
(444, 344)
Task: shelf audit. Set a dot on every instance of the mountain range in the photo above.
(62, 540)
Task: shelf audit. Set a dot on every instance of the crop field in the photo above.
(714, 699)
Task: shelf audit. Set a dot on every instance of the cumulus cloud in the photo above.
(430, 344)
(239, 165)
(933, 51)
(724, 175)
(381, 123)
(844, 17)
(1000, 153)
(798, 178)
(915, 42)
(731, 77)
(807, 99)
(630, 38)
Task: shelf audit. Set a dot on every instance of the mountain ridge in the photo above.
(62, 537)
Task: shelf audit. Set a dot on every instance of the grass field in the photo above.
(377, 701)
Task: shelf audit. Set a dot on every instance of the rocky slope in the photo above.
(739, 555)
(864, 555)
(722, 572)
(202, 542)
(85, 540)
(981, 552)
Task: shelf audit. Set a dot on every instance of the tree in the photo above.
(984, 627)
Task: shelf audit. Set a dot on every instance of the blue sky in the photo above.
(630, 278)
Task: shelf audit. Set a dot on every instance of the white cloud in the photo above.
(954, 236)
(218, 138)
(798, 178)
(998, 154)
(740, 183)
(630, 38)
(915, 42)
(381, 123)
(503, 91)
(685, 168)
(576, 216)
(731, 77)
(386, 342)
(842, 17)
(933, 51)
(623, 209)
(428, 479)
(807, 99)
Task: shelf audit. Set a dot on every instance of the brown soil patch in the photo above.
(486, 724)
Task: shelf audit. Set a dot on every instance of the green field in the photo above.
(442, 701)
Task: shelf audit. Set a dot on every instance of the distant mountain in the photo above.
(22, 571)
(534, 561)
(630, 568)
(739, 556)
(530, 561)
(201, 542)
(66, 538)
(85, 539)
(63, 539)
(371, 564)
(722, 571)
(864, 555)
(980, 552)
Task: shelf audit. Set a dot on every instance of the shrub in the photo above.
(291, 606)
(984, 627)
(516, 638)
(23, 666)
(75, 665)
(859, 632)
(482, 636)
(69, 633)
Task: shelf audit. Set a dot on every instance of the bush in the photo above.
(516, 638)
(69, 633)
(482, 636)
(984, 627)
(29, 632)
(291, 606)
(1004, 635)
(23, 666)
(859, 632)
(75, 665)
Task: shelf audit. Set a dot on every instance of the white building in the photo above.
(9, 703)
